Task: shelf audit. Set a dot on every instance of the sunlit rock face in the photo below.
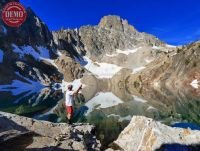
(148, 135)
(113, 33)
(174, 72)
(170, 83)
(112, 41)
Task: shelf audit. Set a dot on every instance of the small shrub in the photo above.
(140, 77)
(136, 84)
(187, 62)
(179, 50)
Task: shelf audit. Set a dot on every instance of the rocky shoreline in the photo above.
(22, 133)
(145, 134)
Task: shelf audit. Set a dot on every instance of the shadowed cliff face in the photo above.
(24, 49)
(32, 32)
(27, 66)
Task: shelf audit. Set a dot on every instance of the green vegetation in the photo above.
(136, 84)
(24, 109)
(179, 50)
(187, 62)
(140, 77)
(194, 64)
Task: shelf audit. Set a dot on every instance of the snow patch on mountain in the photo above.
(102, 70)
(138, 99)
(102, 100)
(59, 53)
(111, 55)
(195, 84)
(39, 54)
(129, 51)
(43, 52)
(3, 29)
(1, 56)
(148, 60)
(170, 46)
(136, 70)
(51, 61)
(37, 21)
(156, 47)
(173, 54)
(81, 61)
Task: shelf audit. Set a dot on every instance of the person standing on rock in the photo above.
(69, 101)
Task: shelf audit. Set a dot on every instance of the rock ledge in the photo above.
(22, 133)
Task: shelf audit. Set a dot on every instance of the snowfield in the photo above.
(148, 60)
(39, 54)
(1, 56)
(51, 61)
(156, 47)
(111, 55)
(138, 99)
(102, 100)
(127, 52)
(136, 70)
(195, 84)
(102, 70)
(170, 46)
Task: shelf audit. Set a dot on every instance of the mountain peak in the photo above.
(114, 22)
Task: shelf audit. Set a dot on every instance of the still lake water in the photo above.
(108, 110)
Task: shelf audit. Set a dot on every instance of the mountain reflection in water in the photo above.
(107, 104)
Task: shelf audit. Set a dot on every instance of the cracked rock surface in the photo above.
(22, 133)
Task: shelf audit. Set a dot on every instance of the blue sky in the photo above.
(176, 22)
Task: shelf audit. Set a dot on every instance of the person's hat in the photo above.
(70, 87)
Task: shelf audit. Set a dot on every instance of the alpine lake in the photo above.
(109, 109)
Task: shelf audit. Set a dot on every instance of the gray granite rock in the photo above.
(145, 134)
(45, 135)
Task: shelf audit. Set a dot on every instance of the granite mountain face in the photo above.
(110, 34)
(23, 49)
(110, 41)
(112, 56)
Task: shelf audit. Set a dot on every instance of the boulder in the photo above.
(145, 134)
